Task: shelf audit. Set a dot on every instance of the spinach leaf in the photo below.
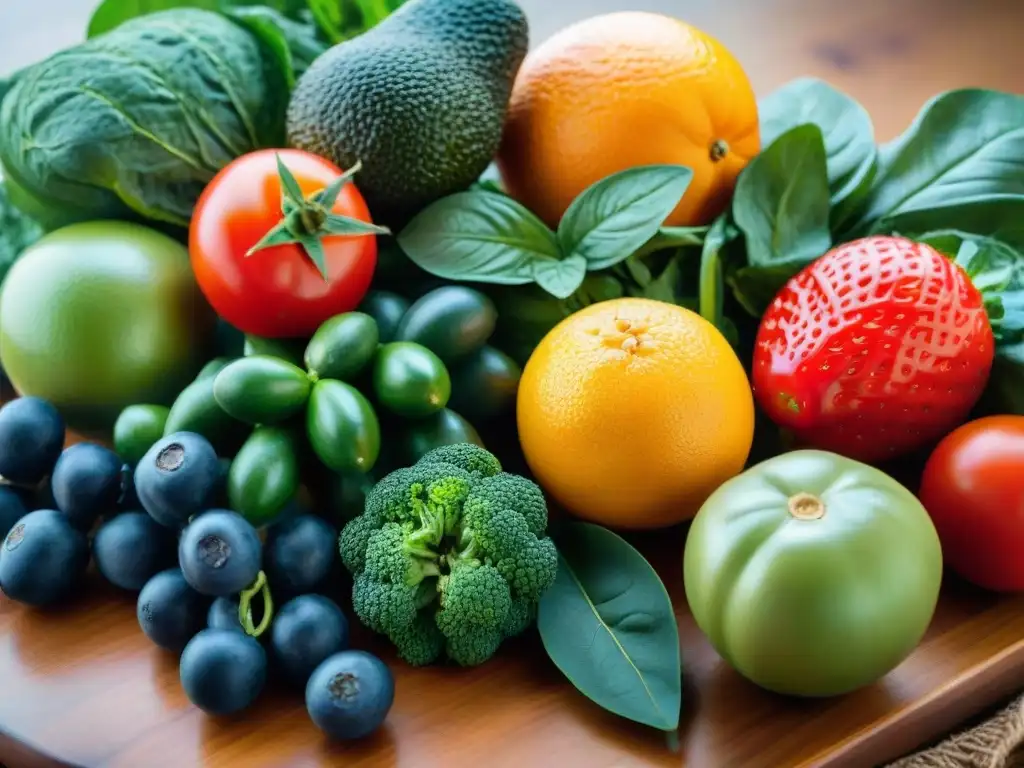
(782, 200)
(616, 215)
(478, 236)
(849, 136)
(294, 44)
(960, 164)
(607, 623)
(560, 277)
(17, 232)
(136, 122)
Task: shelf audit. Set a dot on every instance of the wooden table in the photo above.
(82, 686)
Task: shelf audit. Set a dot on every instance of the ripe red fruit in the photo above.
(876, 349)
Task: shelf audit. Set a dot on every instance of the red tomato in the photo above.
(973, 488)
(277, 291)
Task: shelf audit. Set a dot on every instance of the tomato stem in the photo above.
(305, 220)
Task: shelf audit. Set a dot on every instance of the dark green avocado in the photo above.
(420, 100)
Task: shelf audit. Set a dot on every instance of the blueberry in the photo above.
(132, 548)
(300, 554)
(223, 614)
(43, 558)
(223, 671)
(86, 483)
(31, 439)
(220, 553)
(12, 509)
(305, 631)
(170, 612)
(349, 694)
(177, 478)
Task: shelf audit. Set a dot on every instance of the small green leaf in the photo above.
(675, 237)
(315, 249)
(665, 287)
(478, 236)
(336, 224)
(328, 196)
(560, 278)
(290, 188)
(617, 215)
(279, 235)
(782, 200)
(960, 164)
(849, 136)
(607, 623)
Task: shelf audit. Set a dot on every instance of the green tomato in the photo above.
(812, 574)
(136, 429)
(410, 380)
(101, 315)
(342, 427)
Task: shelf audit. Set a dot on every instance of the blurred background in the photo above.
(892, 55)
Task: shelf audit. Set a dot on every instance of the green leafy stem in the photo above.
(245, 618)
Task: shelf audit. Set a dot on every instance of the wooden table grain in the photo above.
(81, 686)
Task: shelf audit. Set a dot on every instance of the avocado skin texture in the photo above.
(420, 100)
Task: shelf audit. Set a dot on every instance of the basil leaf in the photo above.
(560, 278)
(607, 623)
(960, 164)
(615, 216)
(478, 236)
(849, 136)
(712, 293)
(782, 200)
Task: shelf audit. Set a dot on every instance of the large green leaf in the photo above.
(848, 133)
(782, 200)
(613, 217)
(607, 623)
(134, 123)
(959, 165)
(478, 236)
(17, 232)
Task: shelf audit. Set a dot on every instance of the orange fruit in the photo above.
(625, 89)
(632, 411)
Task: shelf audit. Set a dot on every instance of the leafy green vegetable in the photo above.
(478, 236)
(608, 624)
(17, 232)
(294, 44)
(134, 123)
(614, 217)
(341, 20)
(782, 200)
(846, 127)
(483, 235)
(111, 13)
(960, 164)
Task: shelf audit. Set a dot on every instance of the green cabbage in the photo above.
(135, 122)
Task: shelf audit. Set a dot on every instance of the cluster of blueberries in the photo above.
(208, 583)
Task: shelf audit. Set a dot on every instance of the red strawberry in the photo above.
(876, 349)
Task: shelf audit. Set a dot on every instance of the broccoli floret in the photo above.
(467, 456)
(450, 556)
(497, 533)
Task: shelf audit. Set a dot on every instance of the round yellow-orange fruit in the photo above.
(625, 89)
(632, 411)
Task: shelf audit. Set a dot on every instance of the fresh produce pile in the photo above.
(376, 315)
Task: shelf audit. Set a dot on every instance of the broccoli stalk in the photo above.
(450, 556)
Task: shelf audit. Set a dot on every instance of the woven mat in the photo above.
(995, 743)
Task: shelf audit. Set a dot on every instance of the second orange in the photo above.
(621, 90)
